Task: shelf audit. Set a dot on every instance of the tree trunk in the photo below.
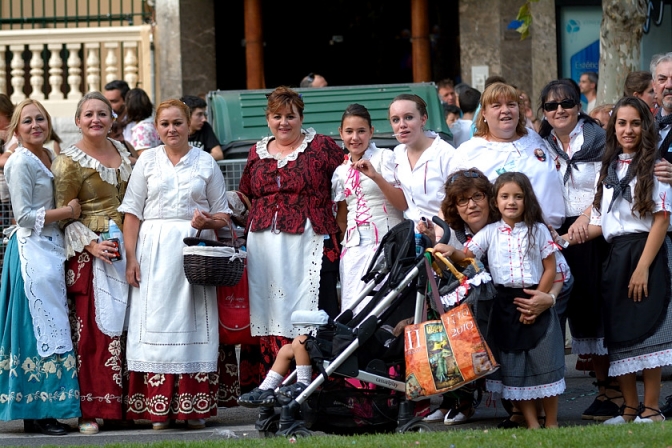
(620, 38)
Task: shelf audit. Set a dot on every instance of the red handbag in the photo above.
(234, 313)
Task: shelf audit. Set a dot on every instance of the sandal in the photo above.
(511, 424)
(654, 413)
(158, 426)
(619, 420)
(288, 393)
(258, 397)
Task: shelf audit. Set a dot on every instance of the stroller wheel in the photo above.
(414, 426)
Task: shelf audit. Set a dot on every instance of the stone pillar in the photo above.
(485, 40)
(185, 48)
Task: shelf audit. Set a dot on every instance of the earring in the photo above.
(79, 130)
(485, 121)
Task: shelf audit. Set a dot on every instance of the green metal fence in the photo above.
(31, 14)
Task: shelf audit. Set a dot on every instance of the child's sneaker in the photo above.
(258, 397)
(288, 393)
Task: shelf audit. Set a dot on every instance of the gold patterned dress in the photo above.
(97, 292)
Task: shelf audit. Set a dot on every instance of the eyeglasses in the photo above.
(476, 197)
(310, 77)
(470, 174)
(552, 106)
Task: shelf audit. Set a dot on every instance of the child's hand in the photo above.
(638, 287)
(445, 249)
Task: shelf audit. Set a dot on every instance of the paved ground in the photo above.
(240, 421)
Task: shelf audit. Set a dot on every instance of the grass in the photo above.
(632, 435)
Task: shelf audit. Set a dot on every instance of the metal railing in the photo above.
(35, 14)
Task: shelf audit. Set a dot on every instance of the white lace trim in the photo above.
(262, 148)
(175, 368)
(459, 293)
(641, 362)
(77, 236)
(499, 390)
(108, 175)
(29, 153)
(40, 215)
(589, 346)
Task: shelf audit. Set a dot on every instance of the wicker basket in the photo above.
(212, 264)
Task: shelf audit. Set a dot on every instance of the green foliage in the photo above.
(593, 436)
(525, 16)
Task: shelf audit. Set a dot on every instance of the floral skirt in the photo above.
(99, 357)
(30, 386)
(236, 378)
(165, 396)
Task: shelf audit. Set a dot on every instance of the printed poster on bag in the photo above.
(444, 355)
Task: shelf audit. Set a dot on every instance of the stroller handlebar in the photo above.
(446, 230)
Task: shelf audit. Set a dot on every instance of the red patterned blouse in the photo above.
(286, 192)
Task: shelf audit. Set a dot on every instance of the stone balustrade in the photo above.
(57, 65)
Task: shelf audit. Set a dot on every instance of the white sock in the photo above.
(304, 374)
(272, 380)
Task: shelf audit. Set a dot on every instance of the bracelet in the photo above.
(552, 297)
(583, 214)
(72, 211)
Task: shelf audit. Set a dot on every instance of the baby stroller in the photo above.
(359, 349)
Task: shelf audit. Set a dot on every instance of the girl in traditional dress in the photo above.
(38, 368)
(520, 253)
(632, 210)
(369, 199)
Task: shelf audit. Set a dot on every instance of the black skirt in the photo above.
(584, 309)
(628, 322)
(505, 329)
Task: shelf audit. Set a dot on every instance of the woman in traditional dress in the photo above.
(173, 336)
(38, 369)
(288, 180)
(95, 170)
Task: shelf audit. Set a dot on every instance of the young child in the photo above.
(264, 395)
(631, 209)
(520, 253)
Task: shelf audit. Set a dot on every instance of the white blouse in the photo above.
(423, 185)
(579, 191)
(369, 211)
(512, 261)
(159, 190)
(620, 220)
(528, 155)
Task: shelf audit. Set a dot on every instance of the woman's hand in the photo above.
(427, 228)
(663, 171)
(579, 230)
(103, 250)
(200, 219)
(76, 208)
(531, 308)
(133, 272)
(638, 288)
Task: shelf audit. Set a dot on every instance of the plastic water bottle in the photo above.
(115, 236)
(419, 244)
(114, 230)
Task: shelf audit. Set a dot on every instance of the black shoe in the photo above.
(511, 424)
(666, 409)
(288, 393)
(46, 426)
(258, 397)
(607, 410)
(589, 413)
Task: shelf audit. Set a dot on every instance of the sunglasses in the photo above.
(469, 174)
(310, 77)
(552, 106)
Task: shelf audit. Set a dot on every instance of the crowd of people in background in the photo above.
(131, 339)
